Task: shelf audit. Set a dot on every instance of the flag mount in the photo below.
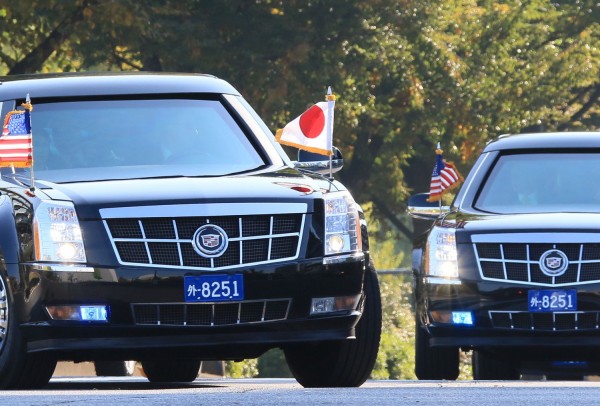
(445, 177)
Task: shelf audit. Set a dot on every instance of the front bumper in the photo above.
(83, 342)
(500, 316)
(123, 288)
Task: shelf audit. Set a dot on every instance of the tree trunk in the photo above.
(34, 61)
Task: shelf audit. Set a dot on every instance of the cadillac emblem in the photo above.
(554, 263)
(210, 241)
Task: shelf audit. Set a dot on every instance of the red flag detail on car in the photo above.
(15, 142)
(444, 177)
(312, 130)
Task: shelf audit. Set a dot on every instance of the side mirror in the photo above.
(319, 163)
(420, 208)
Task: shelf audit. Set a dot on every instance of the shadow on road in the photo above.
(122, 384)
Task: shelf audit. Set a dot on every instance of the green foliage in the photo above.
(395, 359)
(243, 369)
(465, 368)
(396, 351)
(388, 248)
(408, 73)
(272, 364)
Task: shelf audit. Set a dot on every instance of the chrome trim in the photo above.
(222, 246)
(474, 173)
(531, 315)
(61, 268)
(282, 210)
(546, 270)
(254, 127)
(427, 213)
(537, 238)
(322, 167)
(203, 210)
(270, 239)
(5, 314)
(441, 281)
(338, 259)
(534, 238)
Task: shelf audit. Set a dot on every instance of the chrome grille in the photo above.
(210, 314)
(168, 242)
(562, 321)
(508, 258)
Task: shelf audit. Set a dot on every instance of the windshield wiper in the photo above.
(19, 177)
(258, 168)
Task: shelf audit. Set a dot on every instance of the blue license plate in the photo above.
(552, 300)
(213, 288)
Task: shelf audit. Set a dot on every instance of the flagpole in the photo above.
(439, 147)
(30, 108)
(330, 97)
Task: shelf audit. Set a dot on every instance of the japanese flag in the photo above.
(312, 131)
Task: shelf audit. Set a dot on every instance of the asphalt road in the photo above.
(132, 391)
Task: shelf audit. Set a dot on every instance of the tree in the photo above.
(35, 42)
(407, 73)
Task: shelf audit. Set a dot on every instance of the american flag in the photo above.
(444, 177)
(15, 143)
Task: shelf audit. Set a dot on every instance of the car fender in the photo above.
(364, 234)
(9, 244)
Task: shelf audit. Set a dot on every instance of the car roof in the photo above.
(550, 140)
(108, 84)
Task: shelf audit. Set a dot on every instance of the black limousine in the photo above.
(511, 270)
(162, 223)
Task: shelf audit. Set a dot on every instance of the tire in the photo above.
(488, 366)
(172, 370)
(345, 363)
(114, 368)
(18, 369)
(434, 363)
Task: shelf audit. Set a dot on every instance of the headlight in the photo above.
(342, 225)
(441, 253)
(57, 233)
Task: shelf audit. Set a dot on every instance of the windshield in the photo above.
(542, 183)
(120, 139)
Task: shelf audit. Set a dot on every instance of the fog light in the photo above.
(78, 313)
(322, 305)
(441, 316)
(462, 318)
(346, 302)
(93, 313)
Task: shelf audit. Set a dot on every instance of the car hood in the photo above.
(278, 187)
(542, 222)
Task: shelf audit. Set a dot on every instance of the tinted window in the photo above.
(100, 139)
(530, 183)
